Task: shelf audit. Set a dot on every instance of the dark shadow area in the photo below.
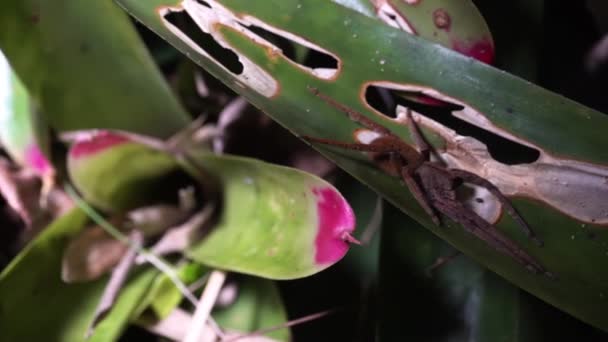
(506, 151)
(205, 41)
(314, 58)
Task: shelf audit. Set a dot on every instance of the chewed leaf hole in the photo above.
(204, 3)
(226, 57)
(296, 49)
(506, 151)
(312, 58)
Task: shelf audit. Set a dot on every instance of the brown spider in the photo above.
(433, 185)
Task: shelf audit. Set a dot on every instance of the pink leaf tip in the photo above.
(336, 222)
(37, 160)
(96, 143)
(482, 50)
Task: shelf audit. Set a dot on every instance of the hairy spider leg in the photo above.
(483, 230)
(348, 146)
(401, 152)
(396, 153)
(353, 114)
(423, 146)
(415, 189)
(472, 178)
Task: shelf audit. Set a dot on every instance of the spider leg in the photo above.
(477, 226)
(397, 163)
(353, 114)
(415, 189)
(349, 146)
(477, 180)
(423, 146)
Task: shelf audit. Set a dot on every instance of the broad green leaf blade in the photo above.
(37, 306)
(87, 68)
(257, 306)
(573, 162)
(276, 222)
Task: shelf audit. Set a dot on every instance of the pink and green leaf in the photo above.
(276, 222)
(18, 135)
(115, 173)
(457, 25)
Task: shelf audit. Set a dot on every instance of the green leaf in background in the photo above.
(18, 130)
(87, 68)
(257, 306)
(455, 25)
(561, 192)
(117, 174)
(164, 296)
(32, 291)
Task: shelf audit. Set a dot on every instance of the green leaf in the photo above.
(276, 222)
(87, 68)
(18, 135)
(164, 296)
(258, 306)
(37, 306)
(455, 25)
(117, 174)
(571, 169)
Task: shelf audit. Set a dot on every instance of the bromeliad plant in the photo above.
(229, 213)
(559, 188)
(296, 224)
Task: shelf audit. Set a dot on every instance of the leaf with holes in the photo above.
(557, 176)
(74, 73)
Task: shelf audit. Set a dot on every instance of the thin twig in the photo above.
(117, 280)
(441, 261)
(157, 262)
(175, 326)
(203, 310)
(291, 323)
(374, 224)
